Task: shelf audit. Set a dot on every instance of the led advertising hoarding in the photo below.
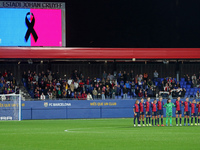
(32, 27)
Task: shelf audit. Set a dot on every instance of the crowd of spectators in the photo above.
(122, 85)
(7, 82)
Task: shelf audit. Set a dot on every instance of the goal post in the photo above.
(10, 107)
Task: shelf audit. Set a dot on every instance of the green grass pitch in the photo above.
(95, 134)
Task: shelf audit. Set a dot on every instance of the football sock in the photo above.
(134, 120)
(184, 120)
(167, 120)
(149, 119)
(155, 121)
(161, 120)
(152, 121)
(188, 120)
(158, 120)
(180, 120)
(192, 120)
(176, 120)
(146, 120)
(170, 120)
(196, 120)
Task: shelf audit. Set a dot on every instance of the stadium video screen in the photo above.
(40, 25)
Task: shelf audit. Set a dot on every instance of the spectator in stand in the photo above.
(166, 88)
(79, 96)
(197, 95)
(144, 85)
(42, 97)
(59, 93)
(178, 84)
(194, 81)
(45, 90)
(99, 93)
(110, 77)
(64, 93)
(104, 76)
(140, 94)
(122, 77)
(145, 76)
(145, 94)
(125, 92)
(107, 92)
(173, 83)
(132, 84)
(50, 95)
(125, 76)
(150, 92)
(84, 96)
(54, 93)
(113, 92)
(88, 83)
(91, 88)
(103, 95)
(155, 75)
(89, 96)
(149, 83)
(183, 91)
(118, 90)
(128, 85)
(37, 95)
(72, 86)
(94, 93)
(69, 93)
(137, 90)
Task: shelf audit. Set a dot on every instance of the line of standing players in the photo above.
(155, 109)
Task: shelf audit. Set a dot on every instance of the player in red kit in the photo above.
(148, 112)
(142, 111)
(154, 111)
(186, 111)
(178, 110)
(193, 106)
(136, 113)
(160, 110)
(198, 107)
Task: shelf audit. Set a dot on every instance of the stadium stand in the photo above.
(121, 85)
(8, 83)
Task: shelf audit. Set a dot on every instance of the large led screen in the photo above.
(30, 27)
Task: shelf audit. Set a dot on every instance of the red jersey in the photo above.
(136, 106)
(84, 96)
(186, 106)
(147, 106)
(198, 106)
(178, 105)
(160, 105)
(154, 107)
(193, 108)
(141, 107)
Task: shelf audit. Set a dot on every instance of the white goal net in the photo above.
(10, 107)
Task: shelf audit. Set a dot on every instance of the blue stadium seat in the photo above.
(184, 86)
(181, 83)
(182, 79)
(188, 86)
(192, 89)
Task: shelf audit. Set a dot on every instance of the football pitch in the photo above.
(97, 134)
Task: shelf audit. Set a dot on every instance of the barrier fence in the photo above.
(68, 109)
